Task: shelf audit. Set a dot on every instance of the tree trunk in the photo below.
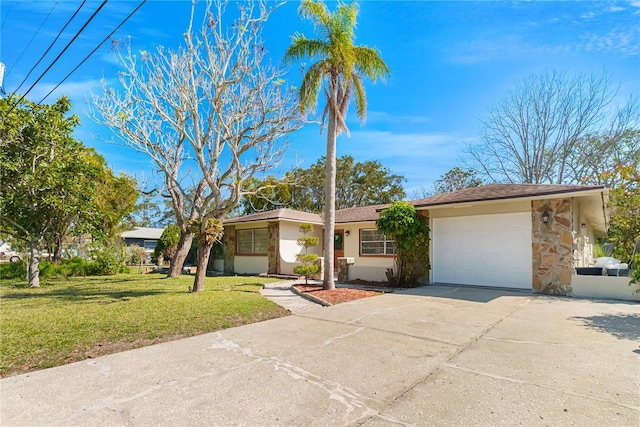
(177, 261)
(204, 251)
(34, 265)
(330, 200)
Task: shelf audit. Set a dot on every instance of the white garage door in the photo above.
(486, 250)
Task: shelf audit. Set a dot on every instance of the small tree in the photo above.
(410, 233)
(138, 256)
(309, 261)
(168, 243)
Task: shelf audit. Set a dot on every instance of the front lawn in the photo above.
(67, 320)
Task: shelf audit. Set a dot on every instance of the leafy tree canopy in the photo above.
(53, 185)
(358, 184)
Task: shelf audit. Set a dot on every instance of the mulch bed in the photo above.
(337, 295)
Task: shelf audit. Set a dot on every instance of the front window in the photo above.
(150, 244)
(373, 242)
(253, 241)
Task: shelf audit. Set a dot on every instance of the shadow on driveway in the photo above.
(482, 294)
(622, 326)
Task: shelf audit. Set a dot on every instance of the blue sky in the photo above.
(449, 61)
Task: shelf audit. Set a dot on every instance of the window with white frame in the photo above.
(373, 242)
(252, 241)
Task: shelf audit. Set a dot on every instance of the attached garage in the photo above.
(485, 250)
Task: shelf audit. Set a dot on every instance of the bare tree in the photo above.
(210, 114)
(532, 134)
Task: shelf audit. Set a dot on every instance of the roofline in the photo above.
(592, 189)
(239, 220)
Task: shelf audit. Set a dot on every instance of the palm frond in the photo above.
(359, 97)
(317, 12)
(302, 48)
(308, 93)
(368, 63)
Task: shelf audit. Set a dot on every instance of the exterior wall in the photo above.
(552, 246)
(289, 248)
(371, 268)
(603, 287)
(251, 264)
(583, 238)
(247, 264)
(481, 208)
(229, 249)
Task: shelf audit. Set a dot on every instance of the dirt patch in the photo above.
(337, 295)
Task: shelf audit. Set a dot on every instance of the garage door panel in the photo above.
(488, 250)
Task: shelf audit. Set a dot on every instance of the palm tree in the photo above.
(339, 70)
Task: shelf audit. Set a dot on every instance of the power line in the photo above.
(4, 21)
(61, 53)
(34, 36)
(51, 45)
(94, 50)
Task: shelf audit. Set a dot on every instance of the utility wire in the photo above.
(94, 50)
(34, 36)
(60, 54)
(4, 21)
(51, 45)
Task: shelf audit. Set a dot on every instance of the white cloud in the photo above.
(624, 42)
(76, 91)
(617, 8)
(588, 15)
(420, 158)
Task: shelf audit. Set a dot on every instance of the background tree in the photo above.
(533, 134)
(168, 242)
(51, 183)
(214, 104)
(624, 205)
(410, 233)
(340, 68)
(309, 265)
(595, 159)
(456, 179)
(147, 212)
(357, 184)
(96, 209)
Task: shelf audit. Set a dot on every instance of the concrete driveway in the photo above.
(433, 356)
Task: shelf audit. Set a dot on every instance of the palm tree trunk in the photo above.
(330, 198)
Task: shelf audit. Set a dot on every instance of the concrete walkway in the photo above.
(430, 356)
(281, 294)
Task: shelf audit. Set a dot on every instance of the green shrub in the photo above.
(13, 270)
(107, 261)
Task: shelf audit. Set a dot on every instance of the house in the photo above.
(144, 237)
(529, 236)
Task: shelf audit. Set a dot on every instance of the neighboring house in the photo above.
(529, 236)
(144, 237)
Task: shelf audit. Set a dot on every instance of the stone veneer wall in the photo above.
(552, 246)
(229, 249)
(273, 253)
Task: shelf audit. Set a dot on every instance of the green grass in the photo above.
(67, 320)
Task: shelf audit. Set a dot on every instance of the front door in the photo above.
(338, 247)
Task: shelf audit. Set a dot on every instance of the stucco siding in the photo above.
(364, 267)
(481, 208)
(289, 248)
(251, 264)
